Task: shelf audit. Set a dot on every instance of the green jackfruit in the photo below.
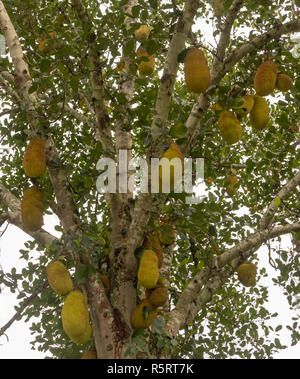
(32, 209)
(230, 127)
(265, 78)
(172, 152)
(142, 33)
(145, 67)
(197, 74)
(157, 295)
(148, 272)
(143, 315)
(284, 82)
(166, 233)
(152, 243)
(59, 278)
(247, 274)
(231, 182)
(259, 116)
(246, 107)
(34, 161)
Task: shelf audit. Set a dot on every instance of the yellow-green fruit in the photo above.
(142, 33)
(197, 75)
(32, 209)
(105, 282)
(90, 354)
(148, 272)
(218, 8)
(246, 107)
(230, 127)
(265, 78)
(143, 315)
(259, 116)
(158, 296)
(145, 67)
(231, 188)
(247, 274)
(166, 233)
(34, 161)
(152, 242)
(284, 82)
(171, 153)
(59, 278)
(216, 107)
(75, 317)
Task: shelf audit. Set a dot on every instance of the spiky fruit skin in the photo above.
(247, 274)
(34, 161)
(143, 315)
(152, 243)
(105, 282)
(246, 107)
(231, 187)
(59, 278)
(166, 233)
(142, 33)
(148, 272)
(284, 82)
(196, 71)
(145, 67)
(265, 78)
(260, 114)
(158, 296)
(75, 317)
(172, 152)
(90, 354)
(230, 128)
(32, 209)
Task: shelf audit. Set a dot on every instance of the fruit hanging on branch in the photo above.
(197, 74)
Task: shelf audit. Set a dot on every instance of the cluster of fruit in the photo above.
(148, 276)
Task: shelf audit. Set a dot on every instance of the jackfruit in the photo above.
(59, 278)
(143, 315)
(219, 8)
(157, 295)
(105, 282)
(230, 128)
(32, 209)
(89, 354)
(232, 185)
(247, 274)
(246, 107)
(197, 74)
(148, 272)
(145, 67)
(166, 233)
(284, 82)
(259, 116)
(142, 33)
(172, 152)
(75, 317)
(34, 161)
(265, 78)
(152, 243)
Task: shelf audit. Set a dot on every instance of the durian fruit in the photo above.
(34, 161)
(259, 116)
(152, 243)
(157, 295)
(172, 152)
(247, 274)
(232, 184)
(105, 282)
(284, 82)
(32, 209)
(142, 33)
(265, 78)
(219, 8)
(59, 278)
(166, 233)
(148, 272)
(230, 127)
(246, 107)
(197, 74)
(89, 354)
(143, 315)
(145, 67)
(75, 317)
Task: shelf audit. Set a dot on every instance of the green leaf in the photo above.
(129, 47)
(178, 131)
